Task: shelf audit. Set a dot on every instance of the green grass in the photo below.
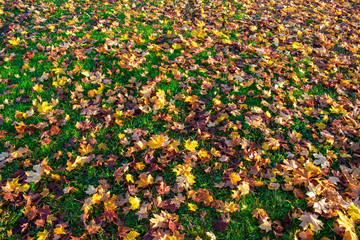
(288, 93)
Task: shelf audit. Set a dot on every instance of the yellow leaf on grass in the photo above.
(102, 146)
(129, 178)
(135, 203)
(176, 46)
(132, 235)
(203, 153)
(44, 107)
(15, 186)
(191, 145)
(192, 207)
(296, 45)
(140, 166)
(235, 178)
(145, 180)
(85, 149)
(156, 141)
(42, 235)
(58, 70)
(14, 42)
(38, 88)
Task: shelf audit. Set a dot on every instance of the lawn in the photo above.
(179, 119)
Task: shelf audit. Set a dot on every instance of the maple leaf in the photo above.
(85, 149)
(15, 186)
(129, 178)
(44, 107)
(43, 235)
(254, 121)
(176, 46)
(79, 161)
(321, 206)
(235, 178)
(14, 42)
(157, 141)
(145, 180)
(158, 221)
(296, 45)
(91, 190)
(35, 176)
(348, 224)
(354, 212)
(92, 228)
(191, 145)
(132, 235)
(192, 207)
(60, 230)
(135, 203)
(3, 157)
(230, 207)
(307, 235)
(123, 231)
(221, 224)
(242, 189)
(321, 160)
(309, 219)
(38, 88)
(58, 71)
(265, 225)
(201, 195)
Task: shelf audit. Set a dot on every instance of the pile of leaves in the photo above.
(179, 119)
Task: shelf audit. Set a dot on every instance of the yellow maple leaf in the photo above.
(85, 149)
(145, 180)
(132, 235)
(135, 203)
(44, 107)
(176, 46)
(296, 45)
(199, 33)
(152, 37)
(189, 178)
(58, 70)
(118, 113)
(192, 99)
(42, 235)
(182, 169)
(96, 198)
(235, 178)
(124, 37)
(217, 102)
(215, 152)
(14, 42)
(191, 145)
(156, 141)
(230, 207)
(349, 226)
(203, 153)
(15, 186)
(102, 146)
(200, 24)
(354, 212)
(140, 166)
(174, 146)
(192, 207)
(60, 230)
(129, 178)
(38, 88)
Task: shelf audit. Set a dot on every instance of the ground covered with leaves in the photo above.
(179, 119)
